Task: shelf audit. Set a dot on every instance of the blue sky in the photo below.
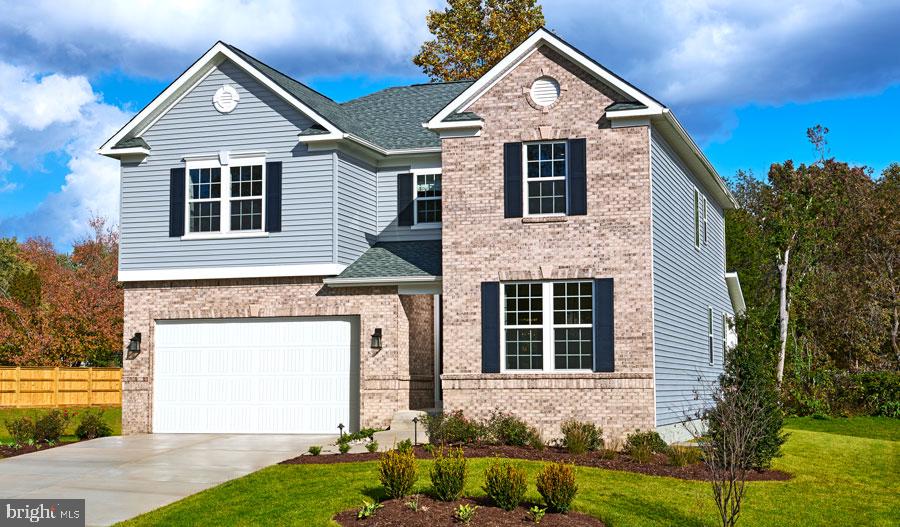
(746, 79)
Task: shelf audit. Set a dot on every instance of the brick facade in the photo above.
(612, 240)
(394, 378)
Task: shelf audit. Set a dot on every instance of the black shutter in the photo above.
(512, 180)
(577, 177)
(177, 184)
(490, 327)
(273, 196)
(604, 335)
(405, 199)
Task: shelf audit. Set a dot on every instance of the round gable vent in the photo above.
(545, 91)
(226, 99)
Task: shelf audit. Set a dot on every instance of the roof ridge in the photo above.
(276, 70)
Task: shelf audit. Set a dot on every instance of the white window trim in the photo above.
(224, 197)
(696, 232)
(705, 221)
(724, 335)
(546, 329)
(709, 337)
(415, 183)
(525, 178)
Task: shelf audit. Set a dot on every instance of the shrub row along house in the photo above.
(546, 240)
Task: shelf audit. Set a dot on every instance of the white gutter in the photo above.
(393, 280)
(323, 138)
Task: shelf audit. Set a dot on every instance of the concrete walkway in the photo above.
(122, 477)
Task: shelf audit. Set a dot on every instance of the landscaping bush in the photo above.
(315, 450)
(404, 446)
(452, 428)
(556, 484)
(682, 456)
(397, 472)
(505, 484)
(49, 427)
(581, 436)
(448, 474)
(363, 433)
(21, 429)
(372, 446)
(92, 425)
(343, 447)
(645, 441)
(507, 429)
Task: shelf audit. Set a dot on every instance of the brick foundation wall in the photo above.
(420, 314)
(387, 380)
(612, 240)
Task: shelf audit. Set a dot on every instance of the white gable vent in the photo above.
(545, 91)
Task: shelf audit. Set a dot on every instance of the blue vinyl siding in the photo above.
(357, 208)
(686, 282)
(261, 122)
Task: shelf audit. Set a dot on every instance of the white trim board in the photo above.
(215, 273)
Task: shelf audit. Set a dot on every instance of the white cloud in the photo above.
(57, 114)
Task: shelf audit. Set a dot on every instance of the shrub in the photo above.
(649, 441)
(749, 374)
(368, 509)
(452, 428)
(507, 429)
(397, 472)
(536, 513)
(580, 436)
(315, 450)
(556, 484)
(92, 426)
(641, 453)
(404, 446)
(536, 442)
(364, 433)
(21, 429)
(505, 484)
(372, 446)
(49, 427)
(682, 456)
(465, 513)
(448, 474)
(343, 448)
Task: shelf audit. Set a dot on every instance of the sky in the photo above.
(745, 78)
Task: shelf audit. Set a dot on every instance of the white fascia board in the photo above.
(200, 68)
(119, 152)
(455, 125)
(333, 138)
(537, 39)
(641, 112)
(735, 293)
(687, 141)
(394, 280)
(216, 273)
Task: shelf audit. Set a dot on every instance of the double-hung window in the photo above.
(709, 324)
(428, 198)
(547, 326)
(235, 191)
(724, 335)
(546, 168)
(696, 218)
(705, 220)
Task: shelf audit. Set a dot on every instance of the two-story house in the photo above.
(546, 240)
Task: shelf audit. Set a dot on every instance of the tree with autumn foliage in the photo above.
(471, 36)
(61, 309)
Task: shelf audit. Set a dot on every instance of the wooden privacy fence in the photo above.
(33, 387)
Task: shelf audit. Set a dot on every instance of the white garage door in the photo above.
(259, 376)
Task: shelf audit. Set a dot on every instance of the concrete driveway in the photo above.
(122, 477)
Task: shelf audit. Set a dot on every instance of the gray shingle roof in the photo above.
(626, 105)
(462, 116)
(132, 142)
(397, 259)
(390, 118)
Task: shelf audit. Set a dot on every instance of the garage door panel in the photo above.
(255, 376)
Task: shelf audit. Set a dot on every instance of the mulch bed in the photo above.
(438, 513)
(8, 451)
(657, 466)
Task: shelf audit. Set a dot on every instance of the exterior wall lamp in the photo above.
(134, 347)
(376, 339)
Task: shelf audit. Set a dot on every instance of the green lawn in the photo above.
(839, 479)
(113, 416)
(871, 427)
